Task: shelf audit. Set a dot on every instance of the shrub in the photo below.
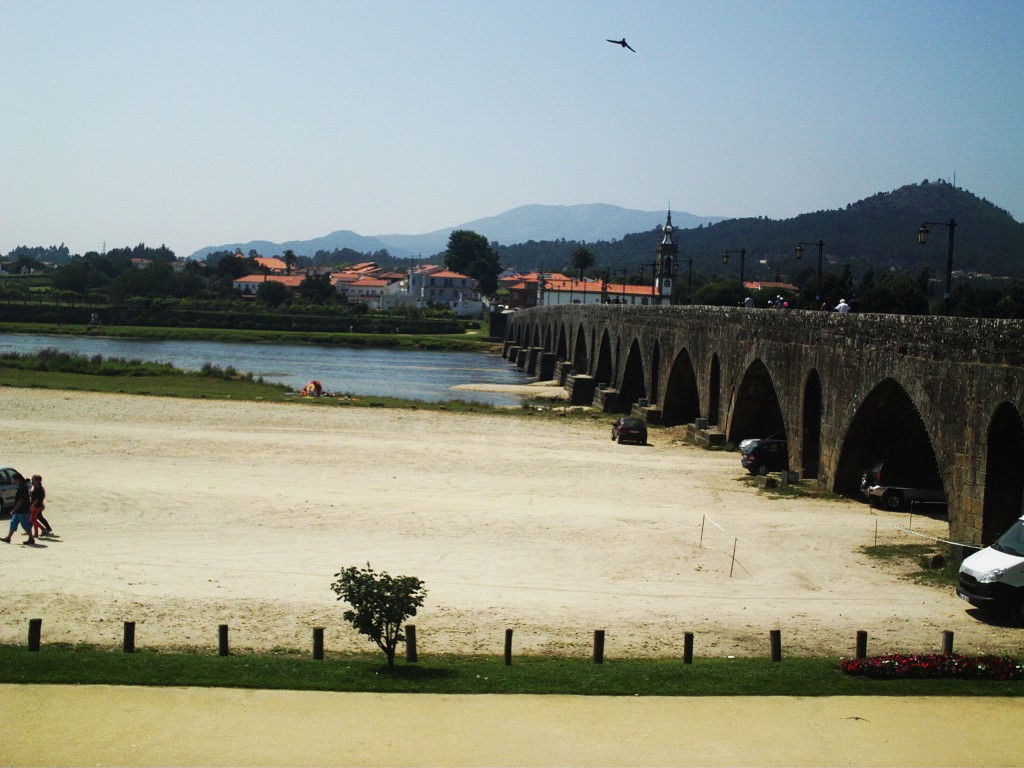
(935, 666)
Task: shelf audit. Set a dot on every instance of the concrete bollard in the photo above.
(776, 641)
(410, 644)
(222, 637)
(599, 646)
(862, 644)
(35, 634)
(508, 647)
(947, 642)
(688, 648)
(129, 637)
(318, 643)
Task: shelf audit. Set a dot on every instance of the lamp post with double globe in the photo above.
(743, 262)
(800, 255)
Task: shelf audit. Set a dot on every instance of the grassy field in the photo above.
(60, 371)
(471, 674)
(471, 341)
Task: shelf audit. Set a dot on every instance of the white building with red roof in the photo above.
(435, 285)
(554, 291)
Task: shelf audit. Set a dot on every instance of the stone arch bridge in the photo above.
(847, 390)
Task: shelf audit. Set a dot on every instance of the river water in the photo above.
(411, 374)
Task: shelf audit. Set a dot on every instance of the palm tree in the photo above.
(582, 260)
(289, 260)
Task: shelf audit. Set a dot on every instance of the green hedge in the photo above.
(164, 315)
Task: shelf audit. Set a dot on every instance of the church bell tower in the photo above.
(665, 270)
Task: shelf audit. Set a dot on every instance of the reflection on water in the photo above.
(408, 374)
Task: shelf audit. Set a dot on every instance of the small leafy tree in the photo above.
(380, 604)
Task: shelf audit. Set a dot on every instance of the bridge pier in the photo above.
(561, 372)
(546, 366)
(532, 355)
(651, 414)
(521, 355)
(509, 350)
(581, 389)
(606, 398)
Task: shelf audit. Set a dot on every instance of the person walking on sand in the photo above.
(19, 512)
(37, 497)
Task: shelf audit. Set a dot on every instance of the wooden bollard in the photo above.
(776, 640)
(318, 643)
(688, 648)
(508, 647)
(410, 644)
(129, 637)
(35, 633)
(862, 644)
(947, 642)
(599, 646)
(223, 639)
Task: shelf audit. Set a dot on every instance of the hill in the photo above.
(877, 232)
(591, 222)
(583, 223)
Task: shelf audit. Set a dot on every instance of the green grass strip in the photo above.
(472, 341)
(450, 674)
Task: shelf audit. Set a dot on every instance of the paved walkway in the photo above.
(105, 725)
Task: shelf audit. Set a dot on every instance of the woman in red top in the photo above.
(37, 496)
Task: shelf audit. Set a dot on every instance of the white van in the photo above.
(993, 578)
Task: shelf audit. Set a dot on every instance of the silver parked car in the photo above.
(7, 490)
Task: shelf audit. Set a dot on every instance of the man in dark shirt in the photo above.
(20, 510)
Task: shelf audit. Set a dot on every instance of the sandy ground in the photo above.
(183, 515)
(101, 725)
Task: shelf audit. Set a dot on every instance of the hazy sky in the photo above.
(201, 123)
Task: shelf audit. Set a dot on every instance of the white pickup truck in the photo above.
(993, 578)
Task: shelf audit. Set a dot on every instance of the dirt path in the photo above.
(182, 515)
(102, 725)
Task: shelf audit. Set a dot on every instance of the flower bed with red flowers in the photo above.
(934, 666)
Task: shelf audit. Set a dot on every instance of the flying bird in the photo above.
(623, 43)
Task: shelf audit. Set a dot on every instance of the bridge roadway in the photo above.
(847, 390)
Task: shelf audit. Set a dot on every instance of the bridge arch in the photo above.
(887, 426)
(603, 370)
(579, 352)
(811, 425)
(655, 389)
(756, 410)
(682, 398)
(1004, 481)
(561, 346)
(715, 391)
(632, 387)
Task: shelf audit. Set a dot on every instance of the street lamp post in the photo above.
(800, 255)
(689, 280)
(922, 238)
(743, 261)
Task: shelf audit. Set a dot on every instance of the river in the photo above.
(409, 374)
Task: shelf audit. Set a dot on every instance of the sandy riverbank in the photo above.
(182, 515)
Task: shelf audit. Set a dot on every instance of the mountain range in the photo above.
(878, 232)
(584, 223)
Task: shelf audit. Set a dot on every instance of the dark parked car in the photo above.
(627, 430)
(764, 456)
(891, 484)
(747, 443)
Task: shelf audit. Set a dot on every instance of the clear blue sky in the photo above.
(201, 123)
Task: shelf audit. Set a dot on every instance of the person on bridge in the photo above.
(749, 302)
(842, 306)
